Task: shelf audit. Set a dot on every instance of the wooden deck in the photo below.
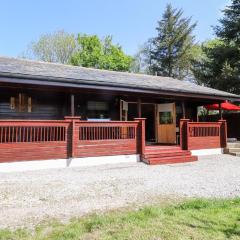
(22, 140)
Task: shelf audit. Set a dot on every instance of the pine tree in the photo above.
(220, 65)
(170, 54)
(229, 29)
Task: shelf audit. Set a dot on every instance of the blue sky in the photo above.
(130, 22)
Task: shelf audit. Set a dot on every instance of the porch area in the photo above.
(26, 140)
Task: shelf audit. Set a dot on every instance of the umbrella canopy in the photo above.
(224, 106)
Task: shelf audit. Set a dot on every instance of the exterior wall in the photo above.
(54, 105)
(81, 101)
(45, 105)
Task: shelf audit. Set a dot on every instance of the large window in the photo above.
(97, 110)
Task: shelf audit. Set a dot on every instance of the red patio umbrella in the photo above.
(224, 106)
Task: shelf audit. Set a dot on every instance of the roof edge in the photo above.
(29, 80)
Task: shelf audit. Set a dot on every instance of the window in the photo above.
(22, 103)
(98, 110)
(165, 118)
(12, 103)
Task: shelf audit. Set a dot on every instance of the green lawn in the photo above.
(194, 219)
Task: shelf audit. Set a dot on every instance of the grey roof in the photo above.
(79, 75)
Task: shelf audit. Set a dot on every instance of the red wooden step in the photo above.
(162, 148)
(167, 155)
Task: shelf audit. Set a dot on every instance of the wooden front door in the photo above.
(166, 123)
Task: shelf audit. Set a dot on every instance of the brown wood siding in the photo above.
(45, 105)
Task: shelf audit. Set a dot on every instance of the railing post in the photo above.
(184, 133)
(140, 135)
(73, 135)
(223, 133)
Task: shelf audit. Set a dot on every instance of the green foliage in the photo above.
(219, 65)
(86, 51)
(101, 54)
(142, 59)
(171, 50)
(229, 29)
(192, 219)
(56, 47)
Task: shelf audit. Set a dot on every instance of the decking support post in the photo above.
(72, 105)
(140, 136)
(73, 138)
(139, 107)
(220, 111)
(183, 109)
(184, 133)
(223, 133)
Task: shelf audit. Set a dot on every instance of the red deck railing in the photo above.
(105, 138)
(19, 134)
(203, 135)
(90, 131)
(38, 140)
(35, 140)
(32, 131)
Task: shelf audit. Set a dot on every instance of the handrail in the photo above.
(203, 129)
(204, 123)
(22, 131)
(92, 131)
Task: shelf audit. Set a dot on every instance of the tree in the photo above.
(102, 54)
(229, 29)
(56, 47)
(142, 60)
(171, 49)
(219, 66)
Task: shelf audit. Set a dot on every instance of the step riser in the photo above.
(159, 152)
(233, 149)
(160, 149)
(233, 145)
(161, 155)
(171, 161)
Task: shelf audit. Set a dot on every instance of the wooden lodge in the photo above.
(55, 111)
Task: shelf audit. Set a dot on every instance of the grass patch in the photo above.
(194, 219)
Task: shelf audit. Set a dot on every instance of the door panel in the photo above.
(123, 110)
(166, 123)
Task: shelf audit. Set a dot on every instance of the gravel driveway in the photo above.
(29, 197)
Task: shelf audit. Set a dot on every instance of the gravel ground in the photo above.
(27, 198)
